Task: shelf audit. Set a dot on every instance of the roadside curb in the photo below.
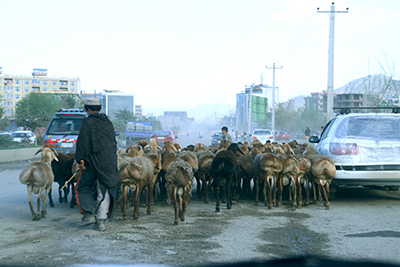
(11, 155)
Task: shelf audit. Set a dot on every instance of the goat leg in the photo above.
(51, 203)
(124, 202)
(294, 189)
(216, 184)
(30, 200)
(148, 199)
(279, 202)
(268, 187)
(176, 221)
(185, 203)
(45, 197)
(300, 196)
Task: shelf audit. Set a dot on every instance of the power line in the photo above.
(284, 57)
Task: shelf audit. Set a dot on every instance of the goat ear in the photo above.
(54, 157)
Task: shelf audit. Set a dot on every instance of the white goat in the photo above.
(38, 177)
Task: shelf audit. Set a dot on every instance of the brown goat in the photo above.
(38, 177)
(136, 173)
(266, 166)
(179, 180)
(288, 176)
(322, 171)
(203, 175)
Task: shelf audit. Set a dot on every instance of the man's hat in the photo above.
(93, 101)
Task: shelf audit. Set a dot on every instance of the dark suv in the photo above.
(63, 130)
(216, 138)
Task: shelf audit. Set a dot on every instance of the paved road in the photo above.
(361, 224)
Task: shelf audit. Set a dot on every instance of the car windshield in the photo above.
(65, 126)
(262, 132)
(18, 135)
(371, 127)
(218, 134)
(161, 133)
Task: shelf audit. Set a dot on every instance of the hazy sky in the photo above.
(181, 53)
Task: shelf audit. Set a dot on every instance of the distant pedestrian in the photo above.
(307, 133)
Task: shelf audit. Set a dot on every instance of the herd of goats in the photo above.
(171, 170)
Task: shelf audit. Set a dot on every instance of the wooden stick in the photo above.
(70, 179)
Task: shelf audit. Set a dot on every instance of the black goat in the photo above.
(62, 171)
(224, 169)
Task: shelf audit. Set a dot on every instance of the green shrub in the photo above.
(5, 141)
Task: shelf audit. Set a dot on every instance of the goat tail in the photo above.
(222, 165)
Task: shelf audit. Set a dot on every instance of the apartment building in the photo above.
(14, 87)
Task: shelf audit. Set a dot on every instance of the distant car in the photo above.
(162, 136)
(365, 148)
(283, 135)
(21, 136)
(263, 135)
(216, 138)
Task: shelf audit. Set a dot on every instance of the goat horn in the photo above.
(40, 150)
(54, 151)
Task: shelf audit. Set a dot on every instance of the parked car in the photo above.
(162, 136)
(63, 130)
(21, 136)
(263, 135)
(283, 135)
(365, 148)
(216, 138)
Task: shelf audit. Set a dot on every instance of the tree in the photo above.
(4, 122)
(36, 110)
(122, 117)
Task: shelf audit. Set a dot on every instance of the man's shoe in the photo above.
(88, 219)
(101, 225)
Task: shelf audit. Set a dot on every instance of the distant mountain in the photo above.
(202, 113)
(375, 84)
(370, 84)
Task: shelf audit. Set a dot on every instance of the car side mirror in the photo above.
(313, 139)
(117, 133)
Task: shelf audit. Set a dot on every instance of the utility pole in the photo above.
(332, 12)
(250, 109)
(273, 98)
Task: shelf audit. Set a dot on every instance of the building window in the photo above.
(44, 89)
(26, 89)
(347, 97)
(45, 82)
(9, 104)
(9, 111)
(8, 88)
(72, 83)
(72, 90)
(17, 81)
(27, 82)
(63, 83)
(54, 83)
(35, 82)
(63, 89)
(8, 96)
(55, 89)
(35, 89)
(356, 97)
(17, 96)
(17, 89)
